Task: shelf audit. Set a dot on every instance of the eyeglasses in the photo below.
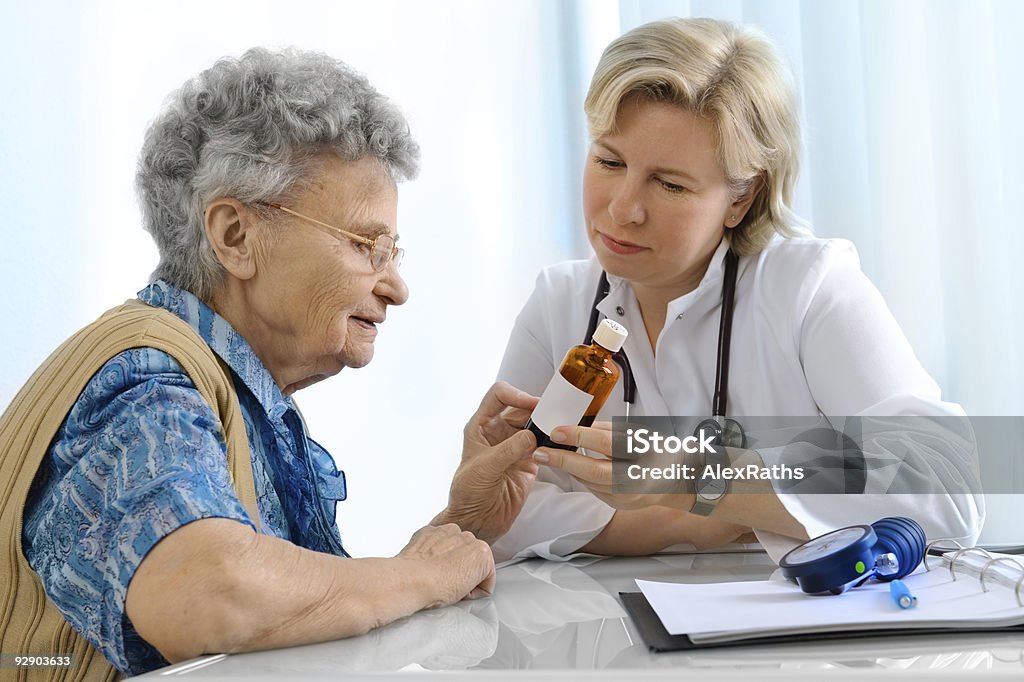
(382, 247)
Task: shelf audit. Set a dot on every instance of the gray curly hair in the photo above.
(252, 128)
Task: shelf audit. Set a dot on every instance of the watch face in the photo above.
(827, 544)
(711, 488)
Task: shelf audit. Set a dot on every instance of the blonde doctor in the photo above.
(694, 156)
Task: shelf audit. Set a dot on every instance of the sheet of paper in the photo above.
(733, 610)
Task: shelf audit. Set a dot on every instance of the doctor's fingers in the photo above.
(587, 469)
(594, 439)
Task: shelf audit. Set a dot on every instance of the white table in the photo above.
(564, 621)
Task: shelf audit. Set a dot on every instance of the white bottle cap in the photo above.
(610, 335)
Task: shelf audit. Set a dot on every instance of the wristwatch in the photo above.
(710, 490)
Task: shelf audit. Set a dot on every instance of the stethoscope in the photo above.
(887, 550)
(728, 432)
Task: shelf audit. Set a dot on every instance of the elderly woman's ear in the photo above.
(231, 231)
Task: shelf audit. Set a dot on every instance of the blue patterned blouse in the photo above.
(141, 454)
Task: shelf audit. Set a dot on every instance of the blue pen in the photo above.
(901, 594)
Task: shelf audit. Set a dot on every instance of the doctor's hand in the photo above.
(595, 471)
(647, 520)
(496, 471)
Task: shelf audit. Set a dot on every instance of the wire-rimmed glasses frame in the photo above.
(382, 247)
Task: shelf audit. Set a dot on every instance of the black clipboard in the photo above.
(659, 640)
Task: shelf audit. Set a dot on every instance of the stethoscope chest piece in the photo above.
(888, 549)
(727, 432)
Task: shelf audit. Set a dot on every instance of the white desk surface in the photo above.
(564, 620)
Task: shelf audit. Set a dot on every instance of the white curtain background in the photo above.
(911, 111)
(912, 114)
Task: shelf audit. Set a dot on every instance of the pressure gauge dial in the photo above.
(887, 549)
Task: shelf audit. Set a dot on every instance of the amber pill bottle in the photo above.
(579, 389)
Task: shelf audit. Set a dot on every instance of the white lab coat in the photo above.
(811, 335)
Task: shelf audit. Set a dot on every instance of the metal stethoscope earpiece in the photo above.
(728, 432)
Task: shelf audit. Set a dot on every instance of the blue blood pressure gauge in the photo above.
(888, 549)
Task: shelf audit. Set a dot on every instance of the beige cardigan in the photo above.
(30, 624)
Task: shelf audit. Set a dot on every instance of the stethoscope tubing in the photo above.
(719, 400)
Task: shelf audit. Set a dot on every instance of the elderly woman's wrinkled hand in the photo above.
(496, 472)
(459, 565)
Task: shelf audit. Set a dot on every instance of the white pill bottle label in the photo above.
(562, 404)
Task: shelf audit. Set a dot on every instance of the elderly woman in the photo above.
(162, 496)
(694, 155)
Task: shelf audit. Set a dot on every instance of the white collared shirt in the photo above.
(811, 335)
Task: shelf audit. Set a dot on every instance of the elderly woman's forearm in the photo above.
(214, 586)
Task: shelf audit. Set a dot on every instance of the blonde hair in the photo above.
(731, 75)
